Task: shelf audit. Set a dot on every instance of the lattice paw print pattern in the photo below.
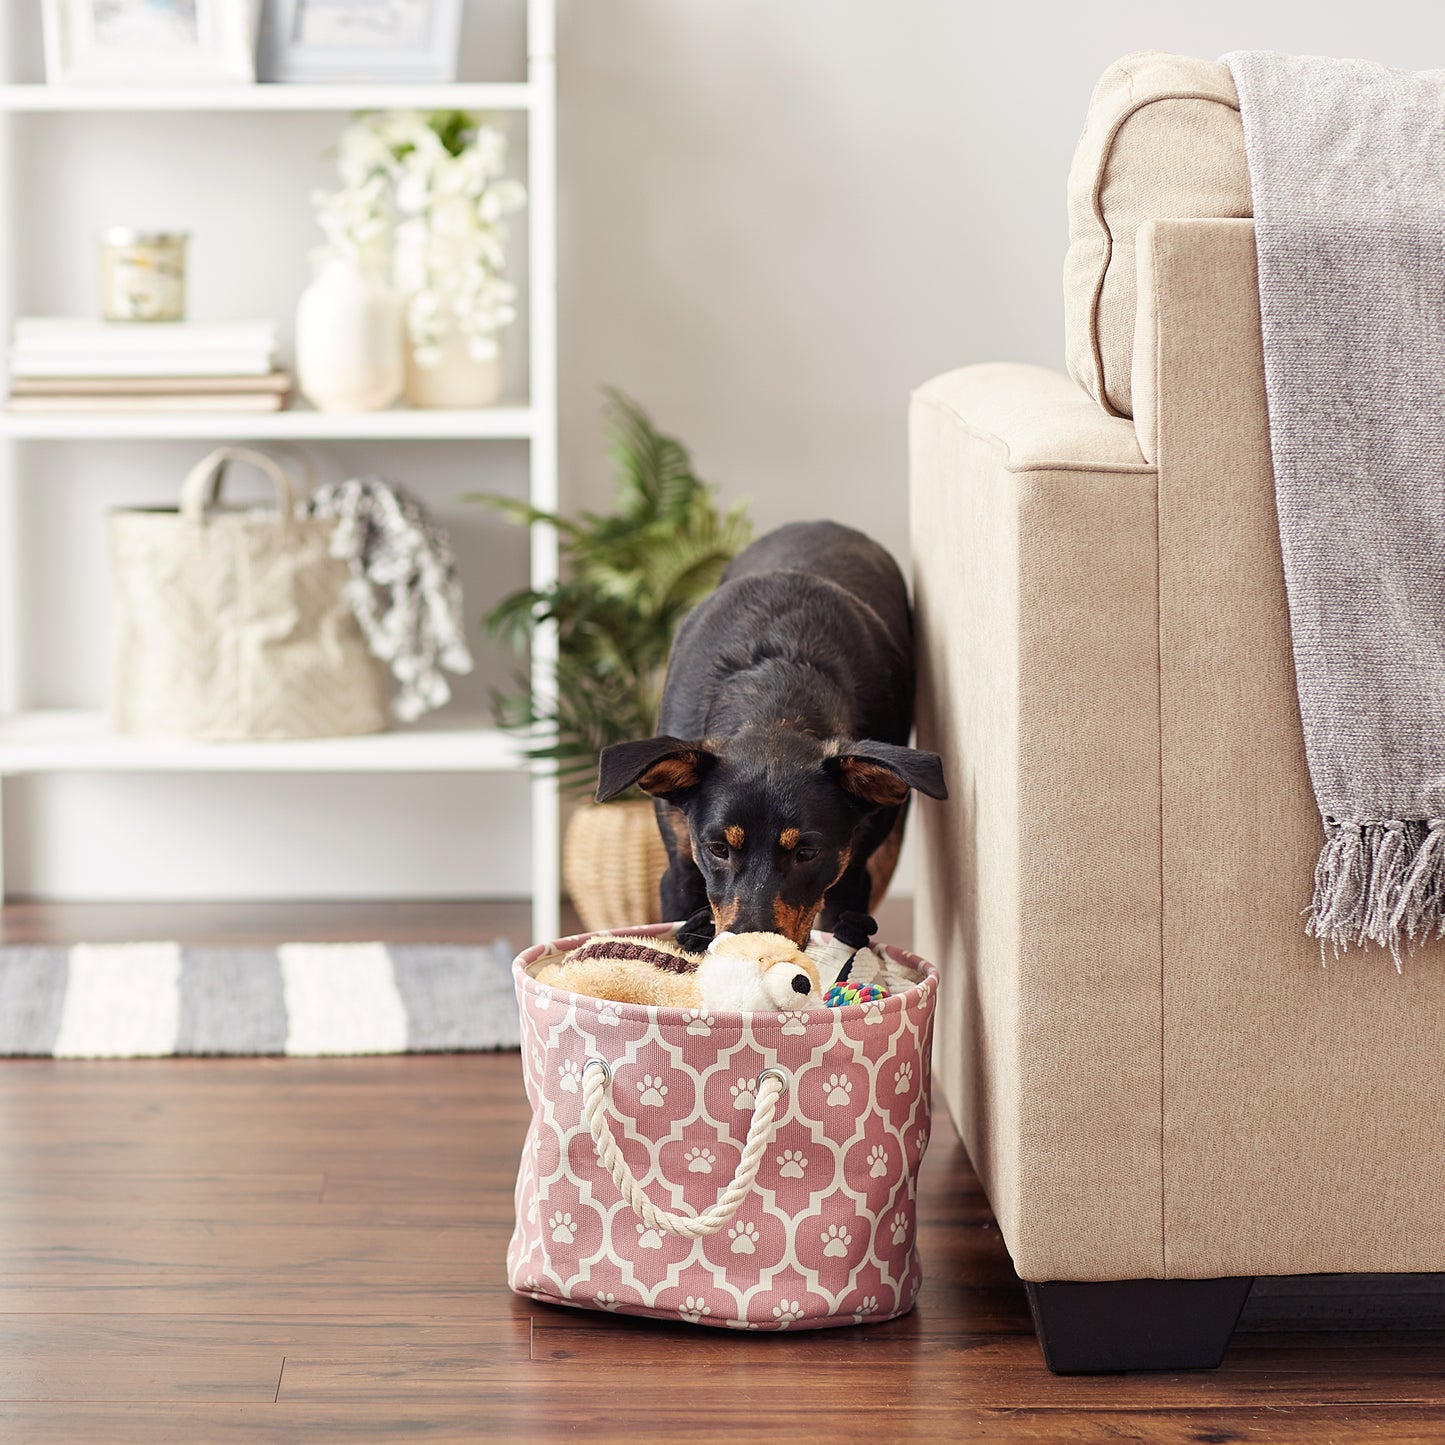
(823, 1117)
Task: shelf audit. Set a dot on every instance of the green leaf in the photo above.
(628, 578)
(522, 513)
(453, 128)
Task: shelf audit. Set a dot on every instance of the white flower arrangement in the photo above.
(427, 195)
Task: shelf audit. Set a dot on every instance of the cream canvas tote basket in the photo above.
(234, 624)
(755, 1171)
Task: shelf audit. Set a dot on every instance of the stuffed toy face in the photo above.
(758, 971)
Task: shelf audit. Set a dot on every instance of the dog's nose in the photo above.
(760, 912)
(802, 983)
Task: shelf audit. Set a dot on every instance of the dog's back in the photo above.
(840, 554)
(811, 621)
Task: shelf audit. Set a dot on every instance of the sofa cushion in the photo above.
(1162, 140)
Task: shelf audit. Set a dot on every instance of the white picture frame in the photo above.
(149, 42)
(397, 41)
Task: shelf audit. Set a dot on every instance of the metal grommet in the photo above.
(601, 1064)
(777, 1074)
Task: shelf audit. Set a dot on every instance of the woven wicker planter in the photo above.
(613, 860)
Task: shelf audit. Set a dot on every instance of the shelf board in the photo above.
(82, 742)
(363, 95)
(299, 424)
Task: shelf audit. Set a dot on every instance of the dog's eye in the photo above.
(807, 855)
(719, 850)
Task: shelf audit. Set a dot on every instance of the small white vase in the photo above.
(349, 339)
(457, 380)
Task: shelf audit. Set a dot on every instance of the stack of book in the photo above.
(66, 364)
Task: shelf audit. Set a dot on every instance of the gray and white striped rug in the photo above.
(147, 1000)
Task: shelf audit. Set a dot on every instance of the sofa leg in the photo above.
(1136, 1324)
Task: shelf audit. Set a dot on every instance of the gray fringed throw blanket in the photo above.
(1347, 168)
(403, 587)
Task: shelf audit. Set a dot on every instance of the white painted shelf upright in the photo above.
(53, 742)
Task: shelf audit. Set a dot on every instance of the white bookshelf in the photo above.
(36, 742)
(338, 98)
(299, 423)
(82, 741)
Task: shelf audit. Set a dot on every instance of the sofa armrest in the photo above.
(1197, 281)
(1036, 595)
(1036, 419)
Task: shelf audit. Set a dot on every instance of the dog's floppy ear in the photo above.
(660, 766)
(882, 773)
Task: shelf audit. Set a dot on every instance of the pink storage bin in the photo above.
(763, 1167)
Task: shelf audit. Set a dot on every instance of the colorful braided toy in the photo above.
(840, 995)
(852, 936)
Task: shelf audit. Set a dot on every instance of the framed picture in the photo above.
(341, 40)
(134, 42)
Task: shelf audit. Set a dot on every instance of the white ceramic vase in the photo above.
(349, 339)
(457, 379)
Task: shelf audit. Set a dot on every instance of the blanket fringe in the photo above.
(1381, 883)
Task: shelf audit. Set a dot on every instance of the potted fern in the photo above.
(628, 577)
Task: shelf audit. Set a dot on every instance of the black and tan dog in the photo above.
(783, 775)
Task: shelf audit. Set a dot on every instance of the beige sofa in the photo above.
(1163, 1087)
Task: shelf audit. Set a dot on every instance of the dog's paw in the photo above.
(697, 932)
(854, 930)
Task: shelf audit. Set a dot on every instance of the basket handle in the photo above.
(202, 486)
(597, 1078)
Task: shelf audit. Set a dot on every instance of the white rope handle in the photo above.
(597, 1075)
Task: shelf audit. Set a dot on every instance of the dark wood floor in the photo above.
(312, 1250)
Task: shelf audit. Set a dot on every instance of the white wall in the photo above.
(776, 219)
(779, 218)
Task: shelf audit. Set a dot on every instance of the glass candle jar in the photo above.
(142, 275)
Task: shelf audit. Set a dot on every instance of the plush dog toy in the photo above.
(746, 972)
